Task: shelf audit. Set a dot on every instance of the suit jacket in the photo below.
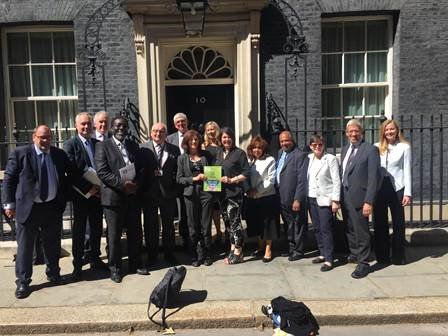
(166, 184)
(173, 139)
(77, 154)
(363, 175)
(328, 181)
(108, 161)
(21, 179)
(293, 177)
(184, 174)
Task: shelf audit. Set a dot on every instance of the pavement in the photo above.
(230, 296)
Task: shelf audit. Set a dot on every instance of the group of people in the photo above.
(102, 172)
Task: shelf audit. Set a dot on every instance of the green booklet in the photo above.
(213, 182)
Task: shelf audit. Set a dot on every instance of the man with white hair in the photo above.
(360, 168)
(101, 125)
(181, 124)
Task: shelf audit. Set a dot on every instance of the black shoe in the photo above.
(351, 259)
(295, 257)
(98, 264)
(318, 260)
(326, 268)
(22, 291)
(55, 279)
(170, 258)
(77, 274)
(398, 261)
(208, 261)
(142, 271)
(361, 271)
(115, 277)
(285, 254)
(266, 259)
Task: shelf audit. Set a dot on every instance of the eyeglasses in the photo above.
(315, 145)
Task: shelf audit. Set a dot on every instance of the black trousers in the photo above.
(151, 225)
(295, 227)
(127, 212)
(322, 219)
(46, 217)
(389, 198)
(83, 210)
(358, 233)
(199, 208)
(183, 220)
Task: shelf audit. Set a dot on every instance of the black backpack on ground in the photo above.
(165, 292)
(296, 317)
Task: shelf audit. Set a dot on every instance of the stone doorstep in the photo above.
(217, 314)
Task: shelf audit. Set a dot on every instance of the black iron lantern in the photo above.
(193, 16)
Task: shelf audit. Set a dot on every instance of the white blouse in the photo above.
(262, 177)
(398, 162)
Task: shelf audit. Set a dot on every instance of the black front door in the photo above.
(201, 103)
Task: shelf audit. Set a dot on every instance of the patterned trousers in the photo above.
(231, 213)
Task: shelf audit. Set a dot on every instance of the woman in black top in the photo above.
(213, 145)
(235, 170)
(198, 203)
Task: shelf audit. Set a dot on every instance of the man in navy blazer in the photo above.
(360, 163)
(80, 150)
(291, 184)
(35, 187)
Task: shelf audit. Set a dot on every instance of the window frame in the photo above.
(10, 101)
(365, 84)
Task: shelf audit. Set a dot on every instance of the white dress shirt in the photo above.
(262, 177)
(181, 138)
(123, 151)
(164, 155)
(99, 136)
(397, 160)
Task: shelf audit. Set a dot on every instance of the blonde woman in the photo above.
(212, 144)
(395, 193)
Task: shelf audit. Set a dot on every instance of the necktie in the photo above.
(43, 178)
(347, 166)
(181, 138)
(159, 152)
(89, 149)
(281, 163)
(124, 153)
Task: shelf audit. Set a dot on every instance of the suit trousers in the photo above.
(322, 219)
(389, 198)
(183, 220)
(46, 217)
(127, 212)
(231, 214)
(152, 227)
(199, 208)
(295, 227)
(83, 210)
(358, 233)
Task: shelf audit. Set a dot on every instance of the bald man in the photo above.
(34, 189)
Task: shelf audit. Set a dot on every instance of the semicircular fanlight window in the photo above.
(198, 62)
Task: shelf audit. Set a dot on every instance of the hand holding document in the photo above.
(127, 173)
(213, 182)
(90, 176)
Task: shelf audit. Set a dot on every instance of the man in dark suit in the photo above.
(161, 194)
(120, 204)
(291, 183)
(80, 150)
(180, 121)
(35, 186)
(360, 180)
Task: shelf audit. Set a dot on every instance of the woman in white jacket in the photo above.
(324, 188)
(262, 211)
(395, 193)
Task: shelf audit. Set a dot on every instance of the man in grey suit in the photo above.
(360, 167)
(180, 121)
(291, 184)
(160, 194)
